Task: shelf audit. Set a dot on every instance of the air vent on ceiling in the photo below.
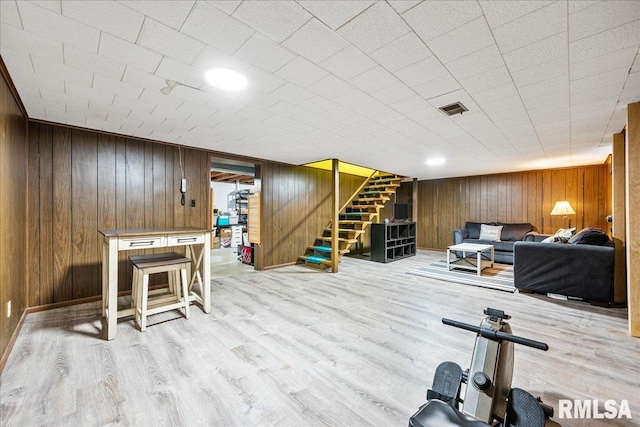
(455, 108)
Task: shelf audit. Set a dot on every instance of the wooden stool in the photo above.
(143, 265)
(162, 256)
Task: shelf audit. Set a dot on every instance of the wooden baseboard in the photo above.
(271, 267)
(12, 341)
(431, 249)
(55, 305)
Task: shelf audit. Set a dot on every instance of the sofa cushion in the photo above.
(591, 236)
(497, 246)
(502, 246)
(514, 232)
(474, 228)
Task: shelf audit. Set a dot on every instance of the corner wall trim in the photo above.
(14, 91)
(12, 341)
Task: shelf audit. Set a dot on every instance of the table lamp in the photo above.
(563, 208)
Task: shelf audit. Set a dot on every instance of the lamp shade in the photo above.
(563, 208)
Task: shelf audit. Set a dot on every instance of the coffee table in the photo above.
(467, 262)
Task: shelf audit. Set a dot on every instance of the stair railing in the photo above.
(364, 184)
(350, 199)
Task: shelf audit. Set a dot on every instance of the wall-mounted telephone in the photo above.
(183, 189)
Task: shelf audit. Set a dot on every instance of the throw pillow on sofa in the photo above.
(567, 233)
(591, 236)
(491, 233)
(473, 228)
(555, 239)
(562, 236)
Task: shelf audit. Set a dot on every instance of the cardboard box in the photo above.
(225, 232)
(216, 243)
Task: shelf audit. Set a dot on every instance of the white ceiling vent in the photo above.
(455, 108)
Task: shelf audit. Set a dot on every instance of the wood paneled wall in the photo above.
(296, 206)
(632, 206)
(446, 204)
(13, 187)
(619, 223)
(81, 181)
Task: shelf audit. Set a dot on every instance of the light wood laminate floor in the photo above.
(297, 347)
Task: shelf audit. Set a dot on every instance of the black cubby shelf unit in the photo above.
(393, 241)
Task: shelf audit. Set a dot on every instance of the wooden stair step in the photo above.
(315, 263)
(316, 259)
(368, 204)
(326, 249)
(372, 199)
(383, 193)
(389, 179)
(364, 216)
(357, 202)
(374, 206)
(387, 187)
(353, 215)
(340, 239)
(346, 231)
(354, 225)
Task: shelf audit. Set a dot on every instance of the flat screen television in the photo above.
(400, 211)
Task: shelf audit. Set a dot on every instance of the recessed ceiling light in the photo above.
(435, 161)
(226, 79)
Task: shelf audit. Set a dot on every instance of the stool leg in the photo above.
(172, 282)
(145, 299)
(185, 292)
(175, 277)
(133, 289)
(137, 311)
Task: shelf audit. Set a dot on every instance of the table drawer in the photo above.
(141, 243)
(186, 239)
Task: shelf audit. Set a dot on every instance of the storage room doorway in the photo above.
(234, 185)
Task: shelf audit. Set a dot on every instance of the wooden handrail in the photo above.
(366, 181)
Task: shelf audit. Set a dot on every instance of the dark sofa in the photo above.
(580, 269)
(503, 249)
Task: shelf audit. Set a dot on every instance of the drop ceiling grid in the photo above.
(165, 40)
(170, 13)
(47, 23)
(313, 82)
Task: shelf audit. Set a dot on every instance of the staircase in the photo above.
(361, 211)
